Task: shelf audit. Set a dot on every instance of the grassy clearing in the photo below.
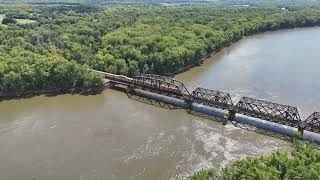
(25, 21)
(19, 21)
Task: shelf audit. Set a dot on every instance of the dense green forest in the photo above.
(169, 39)
(303, 162)
(45, 47)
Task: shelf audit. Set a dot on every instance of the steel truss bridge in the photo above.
(269, 111)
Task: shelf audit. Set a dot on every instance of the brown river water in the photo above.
(111, 136)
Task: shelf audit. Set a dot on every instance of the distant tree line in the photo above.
(77, 2)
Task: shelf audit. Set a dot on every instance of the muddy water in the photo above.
(111, 136)
(280, 66)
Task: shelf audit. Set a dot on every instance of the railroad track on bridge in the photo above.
(265, 110)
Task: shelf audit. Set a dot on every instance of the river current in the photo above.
(111, 136)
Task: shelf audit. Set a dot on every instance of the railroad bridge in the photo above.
(269, 111)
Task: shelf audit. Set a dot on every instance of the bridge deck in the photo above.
(269, 111)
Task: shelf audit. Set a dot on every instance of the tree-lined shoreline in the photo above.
(57, 48)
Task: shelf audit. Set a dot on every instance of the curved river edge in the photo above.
(229, 44)
(93, 91)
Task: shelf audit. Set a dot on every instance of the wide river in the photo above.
(111, 136)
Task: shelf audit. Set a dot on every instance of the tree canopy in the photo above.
(68, 40)
(303, 162)
(168, 39)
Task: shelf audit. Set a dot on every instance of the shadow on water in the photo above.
(208, 117)
(169, 106)
(151, 102)
(205, 116)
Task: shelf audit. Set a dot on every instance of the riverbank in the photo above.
(50, 92)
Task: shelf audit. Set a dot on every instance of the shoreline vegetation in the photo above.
(302, 162)
(50, 92)
(53, 53)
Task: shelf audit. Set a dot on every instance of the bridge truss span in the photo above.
(282, 114)
(312, 123)
(167, 86)
(162, 85)
(216, 99)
